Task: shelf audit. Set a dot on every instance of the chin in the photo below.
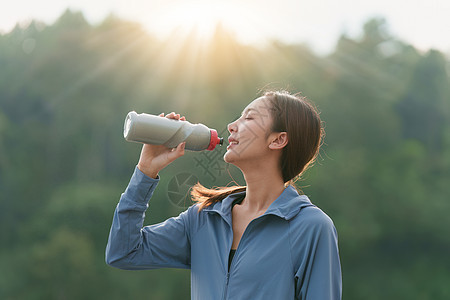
(230, 157)
(235, 158)
(227, 158)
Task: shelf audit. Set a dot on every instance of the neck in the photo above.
(264, 186)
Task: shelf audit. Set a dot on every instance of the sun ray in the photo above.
(202, 16)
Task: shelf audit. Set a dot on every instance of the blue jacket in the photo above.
(290, 252)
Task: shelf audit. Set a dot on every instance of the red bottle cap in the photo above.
(214, 141)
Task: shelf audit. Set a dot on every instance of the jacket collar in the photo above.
(286, 206)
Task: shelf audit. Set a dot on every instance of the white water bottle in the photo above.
(155, 130)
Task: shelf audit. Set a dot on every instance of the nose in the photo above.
(232, 127)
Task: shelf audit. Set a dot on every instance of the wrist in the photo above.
(148, 171)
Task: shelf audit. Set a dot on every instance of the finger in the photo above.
(183, 118)
(178, 151)
(161, 115)
(171, 115)
(180, 148)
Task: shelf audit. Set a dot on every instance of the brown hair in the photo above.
(296, 116)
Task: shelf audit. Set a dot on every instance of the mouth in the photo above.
(232, 143)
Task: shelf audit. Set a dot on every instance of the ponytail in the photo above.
(206, 197)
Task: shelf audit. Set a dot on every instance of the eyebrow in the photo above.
(247, 110)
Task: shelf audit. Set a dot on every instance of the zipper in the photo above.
(225, 292)
(227, 278)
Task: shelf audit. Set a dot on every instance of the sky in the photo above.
(318, 23)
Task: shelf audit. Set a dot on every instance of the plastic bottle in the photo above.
(156, 130)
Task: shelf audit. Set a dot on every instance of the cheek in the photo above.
(251, 145)
(252, 141)
(252, 130)
(254, 137)
(247, 150)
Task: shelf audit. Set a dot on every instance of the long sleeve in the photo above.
(132, 246)
(319, 271)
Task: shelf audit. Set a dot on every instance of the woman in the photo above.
(260, 241)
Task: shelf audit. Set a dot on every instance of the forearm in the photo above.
(125, 234)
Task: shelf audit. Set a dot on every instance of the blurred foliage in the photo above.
(383, 173)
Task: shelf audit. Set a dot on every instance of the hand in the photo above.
(156, 157)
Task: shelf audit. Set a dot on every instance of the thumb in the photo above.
(178, 151)
(181, 147)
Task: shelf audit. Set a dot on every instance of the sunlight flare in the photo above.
(202, 17)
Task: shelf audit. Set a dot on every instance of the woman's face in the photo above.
(250, 134)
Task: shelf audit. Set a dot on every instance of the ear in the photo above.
(278, 140)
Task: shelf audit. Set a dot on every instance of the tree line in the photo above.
(65, 88)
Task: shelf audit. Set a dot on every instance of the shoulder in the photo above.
(314, 215)
(191, 213)
(194, 217)
(311, 229)
(311, 220)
